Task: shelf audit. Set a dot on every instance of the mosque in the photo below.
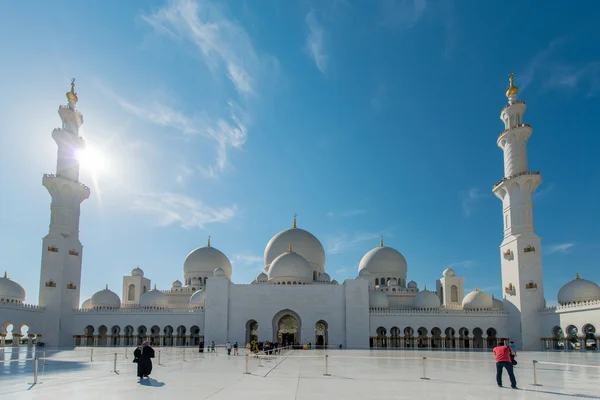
(294, 300)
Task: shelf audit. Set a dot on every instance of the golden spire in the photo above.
(155, 286)
(381, 241)
(512, 89)
(577, 275)
(290, 248)
(476, 289)
(106, 288)
(72, 96)
(425, 287)
(294, 222)
(208, 245)
(5, 276)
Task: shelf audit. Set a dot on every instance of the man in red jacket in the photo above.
(502, 353)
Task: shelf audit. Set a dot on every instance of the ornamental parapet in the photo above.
(21, 306)
(501, 181)
(572, 306)
(436, 311)
(136, 308)
(54, 176)
(514, 127)
(510, 104)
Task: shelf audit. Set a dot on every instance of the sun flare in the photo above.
(92, 160)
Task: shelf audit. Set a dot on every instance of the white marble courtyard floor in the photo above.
(297, 374)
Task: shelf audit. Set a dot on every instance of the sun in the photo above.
(92, 160)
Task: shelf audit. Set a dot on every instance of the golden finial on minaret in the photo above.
(155, 286)
(512, 89)
(72, 96)
(295, 221)
(106, 288)
(5, 275)
(381, 241)
(290, 248)
(208, 245)
(425, 287)
(577, 275)
(476, 289)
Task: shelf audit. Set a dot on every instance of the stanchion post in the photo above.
(327, 365)
(247, 373)
(91, 355)
(535, 374)
(425, 369)
(159, 357)
(126, 353)
(259, 364)
(44, 358)
(183, 352)
(35, 370)
(115, 365)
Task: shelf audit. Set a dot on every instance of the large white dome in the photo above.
(426, 299)
(86, 304)
(578, 290)
(378, 299)
(154, 298)
(11, 291)
(497, 304)
(198, 298)
(477, 300)
(203, 261)
(385, 261)
(290, 267)
(305, 244)
(105, 299)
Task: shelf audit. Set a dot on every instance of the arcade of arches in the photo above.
(422, 339)
(130, 336)
(588, 339)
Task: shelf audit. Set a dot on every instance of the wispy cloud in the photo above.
(462, 264)
(348, 213)
(315, 42)
(484, 288)
(249, 258)
(173, 208)
(470, 198)
(545, 190)
(564, 248)
(224, 45)
(344, 242)
(402, 14)
(183, 173)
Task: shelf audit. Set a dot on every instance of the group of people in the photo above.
(143, 355)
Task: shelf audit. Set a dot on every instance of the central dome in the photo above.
(105, 299)
(305, 244)
(203, 262)
(384, 260)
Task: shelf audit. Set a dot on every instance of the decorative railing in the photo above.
(514, 127)
(437, 311)
(515, 102)
(72, 252)
(571, 306)
(71, 108)
(53, 249)
(5, 304)
(529, 249)
(514, 176)
(52, 176)
(136, 308)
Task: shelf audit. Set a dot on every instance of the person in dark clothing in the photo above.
(201, 347)
(142, 356)
(502, 353)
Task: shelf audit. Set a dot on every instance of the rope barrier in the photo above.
(568, 365)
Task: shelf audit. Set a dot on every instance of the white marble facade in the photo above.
(294, 299)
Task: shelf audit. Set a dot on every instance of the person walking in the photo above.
(212, 347)
(228, 348)
(503, 360)
(235, 349)
(143, 357)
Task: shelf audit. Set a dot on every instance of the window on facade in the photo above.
(131, 293)
(454, 293)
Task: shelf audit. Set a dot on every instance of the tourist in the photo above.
(235, 348)
(513, 353)
(228, 348)
(212, 347)
(502, 353)
(142, 356)
(201, 347)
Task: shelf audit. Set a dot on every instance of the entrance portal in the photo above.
(287, 330)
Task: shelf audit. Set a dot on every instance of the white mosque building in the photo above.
(294, 299)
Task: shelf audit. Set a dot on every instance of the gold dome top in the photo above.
(72, 96)
(294, 226)
(512, 89)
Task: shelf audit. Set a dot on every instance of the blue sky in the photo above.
(364, 118)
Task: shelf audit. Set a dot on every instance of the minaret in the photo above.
(60, 278)
(520, 251)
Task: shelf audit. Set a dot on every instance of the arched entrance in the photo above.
(287, 327)
(321, 333)
(251, 331)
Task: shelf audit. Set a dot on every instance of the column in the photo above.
(443, 342)
(108, 340)
(16, 339)
(485, 343)
(582, 343)
(2, 339)
(95, 340)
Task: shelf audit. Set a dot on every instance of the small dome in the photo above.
(137, 271)
(262, 277)
(497, 304)
(219, 272)
(177, 284)
(363, 273)
(86, 304)
(378, 299)
(578, 290)
(290, 266)
(324, 277)
(305, 243)
(334, 282)
(412, 285)
(448, 273)
(198, 298)
(203, 261)
(105, 299)
(154, 298)
(384, 260)
(426, 299)
(477, 300)
(11, 291)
